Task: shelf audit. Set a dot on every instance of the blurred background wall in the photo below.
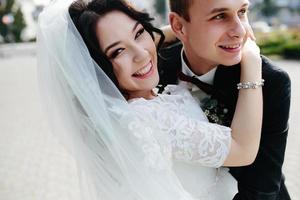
(276, 22)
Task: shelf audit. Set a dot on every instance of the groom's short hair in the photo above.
(181, 7)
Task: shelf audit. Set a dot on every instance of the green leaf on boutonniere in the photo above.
(215, 111)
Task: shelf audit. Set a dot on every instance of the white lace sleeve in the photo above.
(200, 142)
(192, 140)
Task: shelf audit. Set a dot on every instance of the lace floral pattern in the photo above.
(155, 149)
(155, 153)
(181, 123)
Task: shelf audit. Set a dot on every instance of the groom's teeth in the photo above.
(231, 46)
(143, 71)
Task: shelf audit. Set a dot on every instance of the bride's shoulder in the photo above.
(175, 90)
(171, 98)
(143, 104)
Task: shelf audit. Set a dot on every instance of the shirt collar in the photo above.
(207, 78)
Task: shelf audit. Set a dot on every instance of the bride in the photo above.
(98, 69)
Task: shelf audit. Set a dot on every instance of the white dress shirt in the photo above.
(197, 93)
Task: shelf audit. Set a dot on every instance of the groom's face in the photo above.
(216, 32)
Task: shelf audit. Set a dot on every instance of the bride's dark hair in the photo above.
(85, 17)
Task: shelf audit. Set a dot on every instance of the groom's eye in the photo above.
(243, 12)
(219, 16)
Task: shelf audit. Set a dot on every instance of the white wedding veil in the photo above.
(118, 152)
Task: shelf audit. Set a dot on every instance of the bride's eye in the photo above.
(139, 33)
(115, 53)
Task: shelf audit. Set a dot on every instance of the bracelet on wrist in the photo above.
(250, 85)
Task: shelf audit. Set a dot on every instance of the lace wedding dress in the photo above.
(199, 148)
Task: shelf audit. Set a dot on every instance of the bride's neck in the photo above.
(141, 94)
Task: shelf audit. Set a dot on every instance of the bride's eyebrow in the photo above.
(118, 42)
(135, 26)
(111, 46)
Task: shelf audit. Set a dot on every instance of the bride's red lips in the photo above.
(148, 73)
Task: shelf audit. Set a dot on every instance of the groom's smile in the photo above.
(232, 48)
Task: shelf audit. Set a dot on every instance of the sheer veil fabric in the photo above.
(93, 120)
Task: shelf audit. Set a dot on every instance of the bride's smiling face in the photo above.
(132, 52)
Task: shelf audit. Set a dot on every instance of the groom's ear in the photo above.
(178, 26)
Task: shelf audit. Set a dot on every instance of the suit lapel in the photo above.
(226, 78)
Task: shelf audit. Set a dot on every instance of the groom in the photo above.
(212, 33)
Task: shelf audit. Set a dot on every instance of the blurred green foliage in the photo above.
(282, 43)
(160, 7)
(12, 32)
(267, 8)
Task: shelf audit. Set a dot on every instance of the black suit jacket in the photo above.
(261, 180)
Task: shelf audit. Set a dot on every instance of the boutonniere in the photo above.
(215, 111)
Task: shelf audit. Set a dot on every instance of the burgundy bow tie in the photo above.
(205, 87)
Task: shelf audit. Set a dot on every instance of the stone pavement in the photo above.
(20, 109)
(291, 166)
